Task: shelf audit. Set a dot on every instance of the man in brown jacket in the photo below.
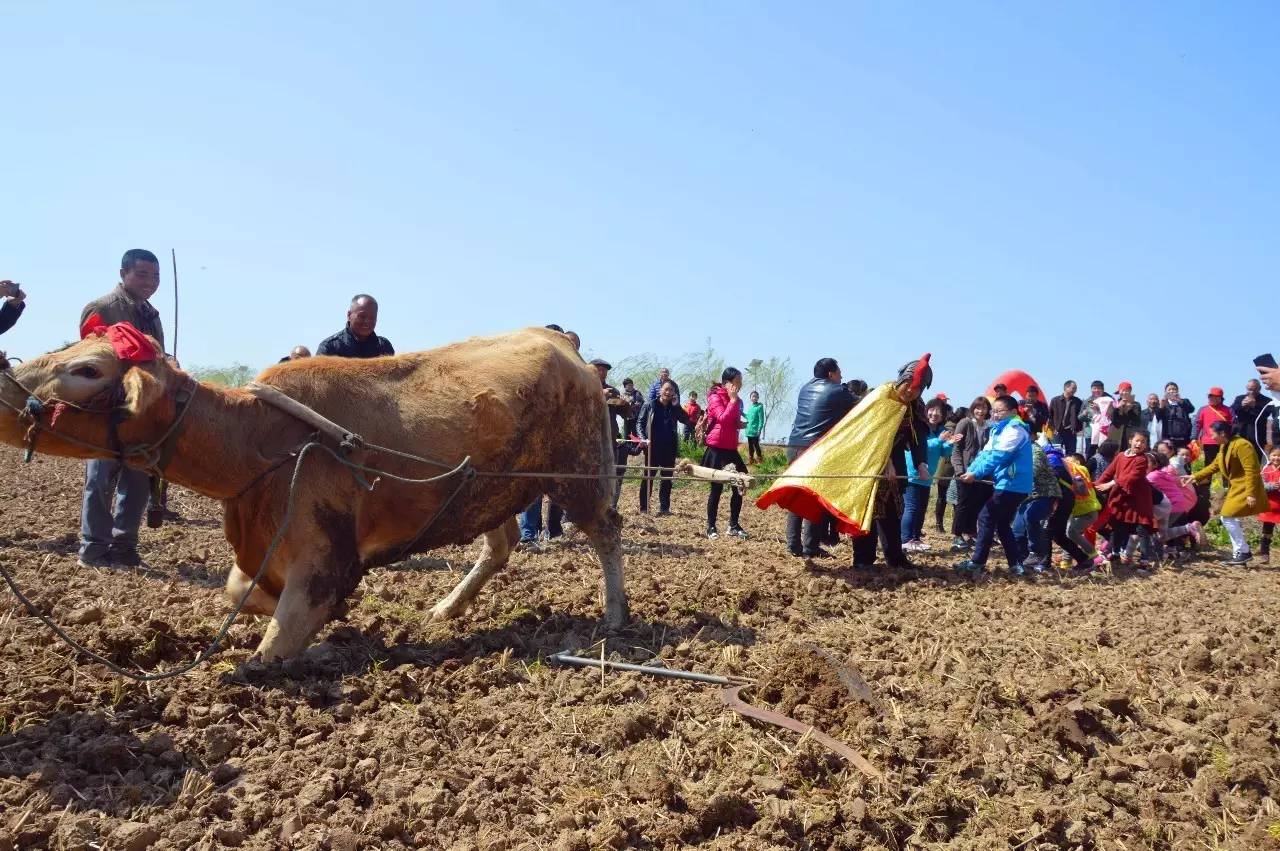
(115, 495)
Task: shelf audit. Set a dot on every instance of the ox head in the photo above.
(79, 390)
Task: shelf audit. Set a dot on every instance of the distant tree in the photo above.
(774, 380)
(236, 375)
(698, 370)
(642, 369)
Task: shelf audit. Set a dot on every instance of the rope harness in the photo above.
(157, 454)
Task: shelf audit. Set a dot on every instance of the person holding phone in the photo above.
(1249, 410)
(1176, 416)
(15, 301)
(1269, 371)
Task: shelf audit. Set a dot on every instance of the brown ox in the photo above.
(518, 401)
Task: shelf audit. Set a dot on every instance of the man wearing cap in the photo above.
(1064, 417)
(618, 407)
(1202, 426)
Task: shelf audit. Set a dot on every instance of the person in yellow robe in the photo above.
(868, 447)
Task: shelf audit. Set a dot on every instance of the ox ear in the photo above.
(141, 391)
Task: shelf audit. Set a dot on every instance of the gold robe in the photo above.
(860, 444)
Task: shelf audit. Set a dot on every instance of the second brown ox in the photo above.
(518, 401)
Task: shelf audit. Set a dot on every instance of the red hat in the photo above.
(1216, 391)
(1124, 387)
(942, 396)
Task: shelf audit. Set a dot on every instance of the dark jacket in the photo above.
(1250, 422)
(9, 313)
(1064, 414)
(1124, 425)
(657, 385)
(822, 403)
(657, 424)
(972, 440)
(119, 306)
(912, 436)
(1037, 417)
(344, 344)
(1175, 420)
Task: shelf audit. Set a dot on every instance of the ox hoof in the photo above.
(444, 613)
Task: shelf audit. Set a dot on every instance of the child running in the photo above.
(1129, 497)
(1178, 499)
(1086, 509)
(1033, 514)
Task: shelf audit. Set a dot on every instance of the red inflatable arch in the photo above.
(1017, 383)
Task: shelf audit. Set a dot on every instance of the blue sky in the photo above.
(1079, 190)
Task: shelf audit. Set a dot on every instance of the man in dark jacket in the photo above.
(822, 403)
(1175, 417)
(15, 302)
(1251, 423)
(1037, 412)
(357, 339)
(1064, 417)
(658, 425)
(115, 494)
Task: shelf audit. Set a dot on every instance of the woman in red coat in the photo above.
(1129, 503)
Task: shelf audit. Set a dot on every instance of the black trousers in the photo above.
(968, 505)
(996, 518)
(659, 456)
(940, 505)
(753, 447)
(804, 537)
(1058, 528)
(889, 532)
(718, 459)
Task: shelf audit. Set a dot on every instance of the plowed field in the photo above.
(1111, 711)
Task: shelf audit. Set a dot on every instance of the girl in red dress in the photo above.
(1129, 501)
(1270, 517)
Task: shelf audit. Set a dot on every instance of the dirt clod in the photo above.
(134, 836)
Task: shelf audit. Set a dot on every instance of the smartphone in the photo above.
(1267, 360)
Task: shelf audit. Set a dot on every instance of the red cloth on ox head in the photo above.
(129, 343)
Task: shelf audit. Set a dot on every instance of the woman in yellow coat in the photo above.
(1237, 463)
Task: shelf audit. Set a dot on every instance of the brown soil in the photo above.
(1126, 711)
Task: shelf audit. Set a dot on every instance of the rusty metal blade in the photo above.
(731, 699)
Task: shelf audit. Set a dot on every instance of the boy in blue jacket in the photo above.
(1007, 461)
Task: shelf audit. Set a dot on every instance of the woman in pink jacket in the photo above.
(1178, 499)
(724, 418)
